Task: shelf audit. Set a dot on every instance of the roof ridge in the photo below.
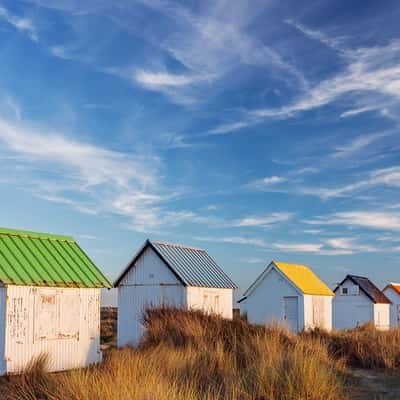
(288, 263)
(35, 235)
(359, 276)
(176, 245)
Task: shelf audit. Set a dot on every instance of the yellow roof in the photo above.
(304, 278)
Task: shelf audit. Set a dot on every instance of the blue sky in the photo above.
(258, 132)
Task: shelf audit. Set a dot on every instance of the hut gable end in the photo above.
(149, 269)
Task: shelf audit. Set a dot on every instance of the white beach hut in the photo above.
(49, 302)
(358, 301)
(171, 275)
(392, 292)
(291, 294)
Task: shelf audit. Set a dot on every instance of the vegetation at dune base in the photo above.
(188, 355)
(362, 347)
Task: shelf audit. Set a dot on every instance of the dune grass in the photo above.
(191, 356)
(363, 347)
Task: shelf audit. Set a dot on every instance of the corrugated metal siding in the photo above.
(194, 266)
(70, 337)
(29, 258)
(149, 283)
(133, 300)
(3, 367)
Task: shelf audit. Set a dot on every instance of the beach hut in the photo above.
(358, 301)
(49, 302)
(291, 294)
(392, 292)
(165, 274)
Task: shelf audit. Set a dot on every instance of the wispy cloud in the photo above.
(349, 244)
(372, 70)
(267, 182)
(254, 260)
(172, 140)
(335, 43)
(298, 247)
(358, 144)
(329, 247)
(156, 80)
(93, 179)
(209, 44)
(263, 221)
(365, 219)
(22, 24)
(313, 231)
(9, 107)
(231, 127)
(356, 111)
(234, 240)
(87, 177)
(60, 52)
(389, 177)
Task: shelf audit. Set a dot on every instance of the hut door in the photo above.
(291, 312)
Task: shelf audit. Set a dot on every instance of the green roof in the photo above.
(41, 259)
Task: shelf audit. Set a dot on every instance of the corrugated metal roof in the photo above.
(394, 286)
(304, 278)
(192, 266)
(369, 288)
(41, 259)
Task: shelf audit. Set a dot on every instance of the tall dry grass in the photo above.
(363, 347)
(191, 356)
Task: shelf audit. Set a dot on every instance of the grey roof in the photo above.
(192, 266)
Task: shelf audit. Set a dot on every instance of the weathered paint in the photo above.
(356, 308)
(212, 300)
(63, 323)
(150, 283)
(269, 299)
(394, 297)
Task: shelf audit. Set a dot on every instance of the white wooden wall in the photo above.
(382, 316)
(394, 297)
(149, 283)
(351, 310)
(63, 323)
(266, 302)
(3, 318)
(317, 312)
(213, 300)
